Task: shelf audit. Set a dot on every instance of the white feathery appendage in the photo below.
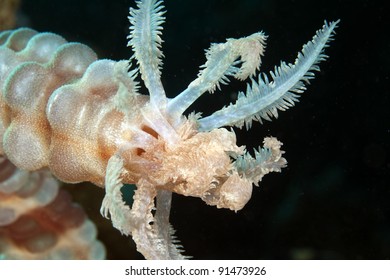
(153, 235)
(263, 97)
(145, 40)
(164, 230)
(267, 159)
(113, 203)
(128, 87)
(65, 111)
(222, 62)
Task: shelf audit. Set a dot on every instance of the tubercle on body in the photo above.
(55, 113)
(83, 118)
(38, 219)
(80, 111)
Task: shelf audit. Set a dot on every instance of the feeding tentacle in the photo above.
(222, 61)
(263, 98)
(146, 42)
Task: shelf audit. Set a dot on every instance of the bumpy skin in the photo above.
(55, 97)
(82, 119)
(39, 221)
(56, 106)
(36, 219)
(63, 110)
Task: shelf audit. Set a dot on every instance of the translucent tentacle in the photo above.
(153, 234)
(145, 40)
(263, 98)
(267, 159)
(222, 61)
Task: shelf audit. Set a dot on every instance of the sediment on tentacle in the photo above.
(151, 232)
(223, 61)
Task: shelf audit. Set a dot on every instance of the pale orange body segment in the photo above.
(38, 220)
(57, 108)
(63, 110)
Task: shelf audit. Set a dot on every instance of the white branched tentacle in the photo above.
(145, 40)
(65, 111)
(164, 229)
(221, 63)
(263, 98)
(128, 87)
(267, 159)
(153, 235)
(113, 204)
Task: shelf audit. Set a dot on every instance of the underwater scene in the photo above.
(329, 198)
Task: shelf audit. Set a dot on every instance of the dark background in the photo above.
(333, 199)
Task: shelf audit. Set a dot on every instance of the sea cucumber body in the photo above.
(38, 220)
(57, 106)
